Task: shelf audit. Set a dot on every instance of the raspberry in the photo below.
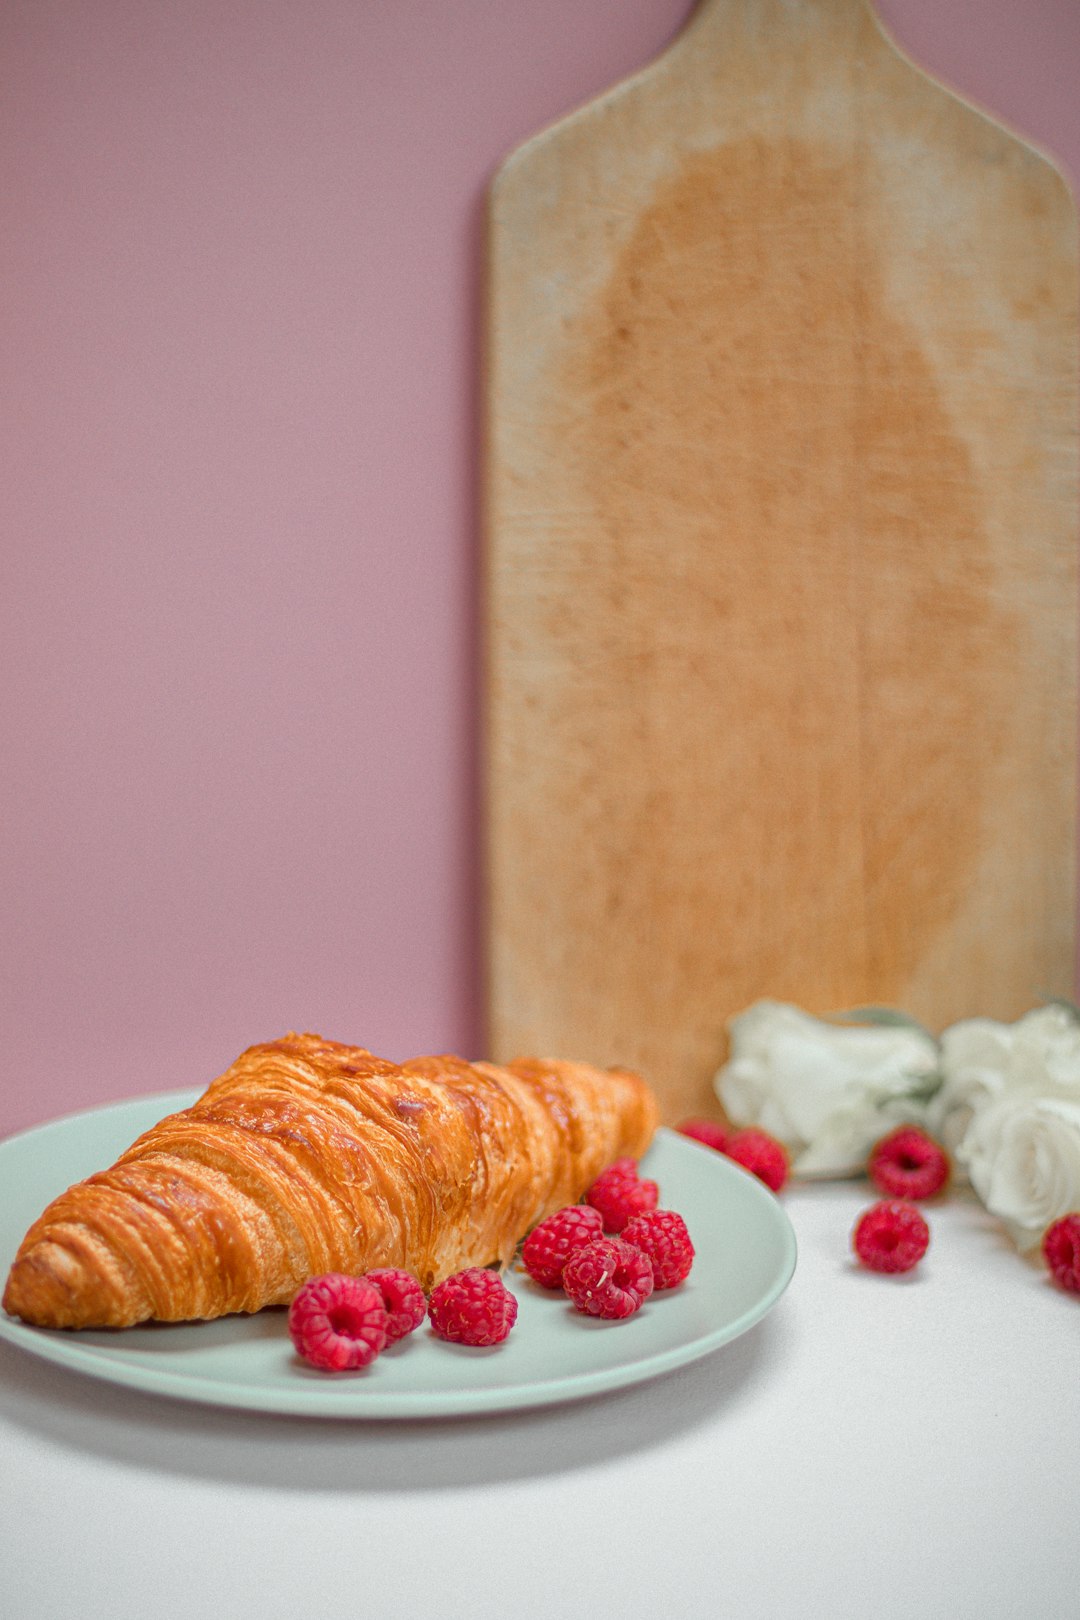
(472, 1307)
(760, 1153)
(706, 1131)
(337, 1322)
(618, 1193)
(662, 1235)
(608, 1278)
(908, 1164)
(1061, 1250)
(549, 1245)
(403, 1299)
(890, 1236)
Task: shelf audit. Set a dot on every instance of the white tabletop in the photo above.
(885, 1447)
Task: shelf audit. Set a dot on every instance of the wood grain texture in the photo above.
(781, 511)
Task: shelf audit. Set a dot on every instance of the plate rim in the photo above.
(339, 1400)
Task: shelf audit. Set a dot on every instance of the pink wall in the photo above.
(238, 728)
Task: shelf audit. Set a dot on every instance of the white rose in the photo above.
(1046, 1051)
(827, 1091)
(982, 1060)
(974, 1061)
(1022, 1153)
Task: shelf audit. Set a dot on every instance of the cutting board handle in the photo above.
(773, 23)
(772, 13)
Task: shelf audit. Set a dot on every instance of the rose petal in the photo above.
(1023, 1156)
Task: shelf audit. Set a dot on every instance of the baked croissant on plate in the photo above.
(307, 1156)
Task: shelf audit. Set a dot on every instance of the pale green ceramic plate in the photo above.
(745, 1259)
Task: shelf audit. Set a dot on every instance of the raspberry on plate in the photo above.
(618, 1193)
(608, 1278)
(337, 1322)
(403, 1299)
(662, 1235)
(472, 1307)
(550, 1244)
(908, 1164)
(1061, 1251)
(706, 1131)
(761, 1154)
(890, 1236)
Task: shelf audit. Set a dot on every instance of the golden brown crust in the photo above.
(308, 1156)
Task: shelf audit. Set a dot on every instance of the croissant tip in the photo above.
(49, 1287)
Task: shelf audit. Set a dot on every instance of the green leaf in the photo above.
(924, 1088)
(887, 1018)
(1062, 1001)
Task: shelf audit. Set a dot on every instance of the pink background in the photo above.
(240, 246)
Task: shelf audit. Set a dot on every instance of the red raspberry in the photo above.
(1061, 1250)
(760, 1153)
(706, 1131)
(890, 1236)
(403, 1299)
(662, 1235)
(548, 1246)
(608, 1278)
(618, 1193)
(338, 1322)
(472, 1307)
(908, 1164)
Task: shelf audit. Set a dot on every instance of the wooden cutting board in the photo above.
(781, 552)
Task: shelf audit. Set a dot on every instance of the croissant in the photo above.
(307, 1156)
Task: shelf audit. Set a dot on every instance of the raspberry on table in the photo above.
(618, 1193)
(403, 1299)
(337, 1322)
(662, 1235)
(472, 1307)
(1061, 1251)
(608, 1278)
(908, 1164)
(706, 1131)
(550, 1244)
(761, 1154)
(890, 1236)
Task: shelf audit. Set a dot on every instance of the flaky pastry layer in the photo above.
(307, 1156)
